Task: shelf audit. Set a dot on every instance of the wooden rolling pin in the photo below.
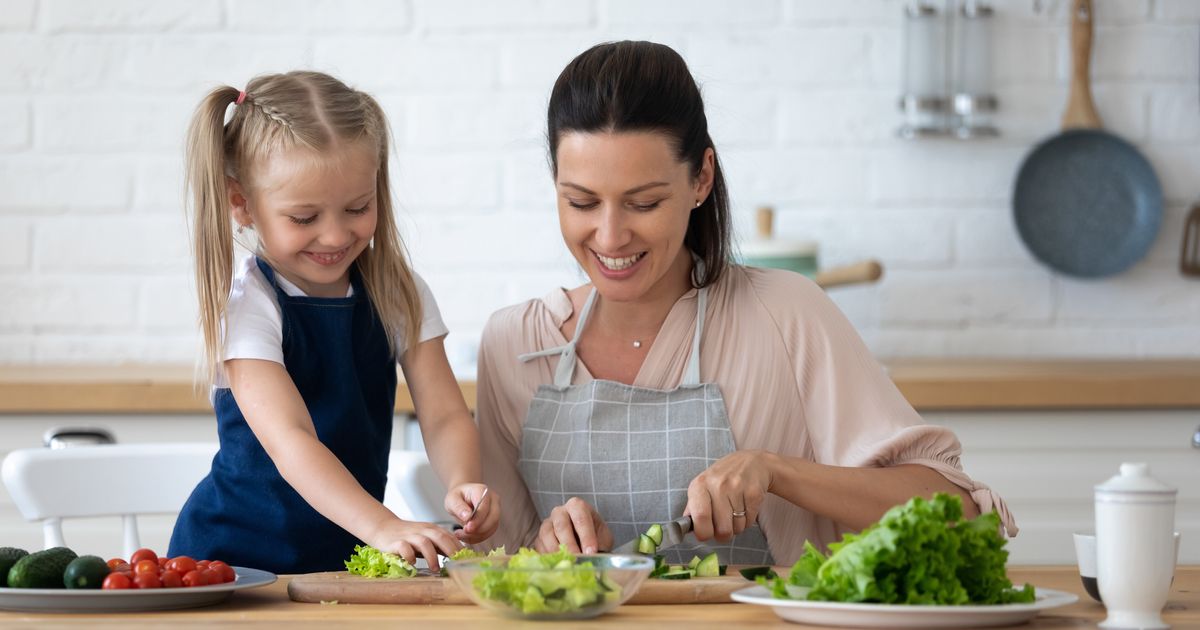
(855, 273)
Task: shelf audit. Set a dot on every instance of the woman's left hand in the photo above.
(461, 499)
(724, 499)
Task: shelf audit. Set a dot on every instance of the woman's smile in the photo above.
(621, 267)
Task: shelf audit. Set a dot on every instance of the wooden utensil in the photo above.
(1189, 257)
(855, 273)
(345, 588)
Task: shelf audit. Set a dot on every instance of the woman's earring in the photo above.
(698, 204)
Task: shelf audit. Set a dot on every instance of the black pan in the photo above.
(1086, 202)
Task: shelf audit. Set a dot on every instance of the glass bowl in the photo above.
(519, 586)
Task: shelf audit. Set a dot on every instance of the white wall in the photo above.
(95, 95)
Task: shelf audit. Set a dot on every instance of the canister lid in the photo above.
(1135, 479)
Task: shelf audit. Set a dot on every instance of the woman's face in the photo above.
(623, 205)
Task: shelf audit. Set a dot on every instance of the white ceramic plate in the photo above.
(899, 616)
(91, 600)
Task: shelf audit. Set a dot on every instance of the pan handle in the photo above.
(1081, 110)
(863, 271)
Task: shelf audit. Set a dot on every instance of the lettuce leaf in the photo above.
(371, 562)
(922, 552)
(546, 583)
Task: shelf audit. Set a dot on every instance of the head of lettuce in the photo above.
(919, 553)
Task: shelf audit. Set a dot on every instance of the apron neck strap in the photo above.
(565, 371)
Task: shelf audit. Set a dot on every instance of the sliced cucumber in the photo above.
(655, 532)
(694, 562)
(646, 545)
(750, 573)
(710, 566)
(677, 573)
(721, 570)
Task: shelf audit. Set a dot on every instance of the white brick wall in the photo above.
(95, 96)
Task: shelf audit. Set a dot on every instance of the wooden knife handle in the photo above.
(1081, 110)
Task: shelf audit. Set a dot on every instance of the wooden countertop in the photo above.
(269, 607)
(929, 385)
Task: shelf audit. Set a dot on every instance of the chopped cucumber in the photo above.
(695, 561)
(750, 573)
(646, 545)
(655, 532)
(677, 573)
(709, 566)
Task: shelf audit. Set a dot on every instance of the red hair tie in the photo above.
(241, 97)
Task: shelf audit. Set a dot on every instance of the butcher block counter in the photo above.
(269, 607)
(930, 385)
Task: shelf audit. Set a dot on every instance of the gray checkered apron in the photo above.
(630, 451)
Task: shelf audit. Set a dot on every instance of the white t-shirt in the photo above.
(254, 324)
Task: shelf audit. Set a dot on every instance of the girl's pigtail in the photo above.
(212, 234)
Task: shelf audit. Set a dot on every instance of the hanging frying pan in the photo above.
(1086, 202)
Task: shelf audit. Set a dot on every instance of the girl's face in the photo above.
(624, 201)
(314, 214)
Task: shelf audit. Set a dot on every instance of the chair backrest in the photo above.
(104, 480)
(414, 491)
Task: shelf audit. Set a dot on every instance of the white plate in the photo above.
(94, 600)
(901, 616)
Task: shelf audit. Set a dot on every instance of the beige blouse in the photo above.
(796, 378)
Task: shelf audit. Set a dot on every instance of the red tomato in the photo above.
(145, 566)
(202, 564)
(222, 570)
(194, 578)
(117, 581)
(171, 579)
(210, 576)
(162, 561)
(143, 554)
(116, 562)
(147, 580)
(181, 564)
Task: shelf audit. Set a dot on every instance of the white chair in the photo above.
(413, 490)
(126, 480)
(104, 480)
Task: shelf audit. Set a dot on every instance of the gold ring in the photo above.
(739, 514)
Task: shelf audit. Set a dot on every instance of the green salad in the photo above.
(922, 552)
(534, 583)
(371, 562)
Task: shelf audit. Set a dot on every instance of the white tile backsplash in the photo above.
(801, 95)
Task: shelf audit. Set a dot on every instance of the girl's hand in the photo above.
(410, 538)
(724, 499)
(576, 525)
(464, 498)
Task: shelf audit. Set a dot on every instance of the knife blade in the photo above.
(673, 534)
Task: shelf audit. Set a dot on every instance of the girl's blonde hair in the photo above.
(278, 112)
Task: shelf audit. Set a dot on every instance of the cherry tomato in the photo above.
(210, 576)
(143, 554)
(181, 564)
(171, 579)
(117, 581)
(145, 566)
(202, 564)
(222, 570)
(147, 580)
(162, 561)
(194, 578)
(116, 562)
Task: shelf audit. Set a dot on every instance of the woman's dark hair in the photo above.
(643, 86)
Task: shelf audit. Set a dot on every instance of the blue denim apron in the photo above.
(244, 512)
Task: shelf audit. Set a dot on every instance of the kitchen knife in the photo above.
(673, 534)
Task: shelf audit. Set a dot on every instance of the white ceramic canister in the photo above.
(1135, 543)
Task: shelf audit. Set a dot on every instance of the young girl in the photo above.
(301, 341)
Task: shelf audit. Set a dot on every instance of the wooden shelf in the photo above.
(930, 385)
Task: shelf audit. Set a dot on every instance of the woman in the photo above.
(675, 382)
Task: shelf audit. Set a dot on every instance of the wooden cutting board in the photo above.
(344, 588)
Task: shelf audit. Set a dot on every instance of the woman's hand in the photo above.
(724, 499)
(576, 525)
(410, 538)
(461, 501)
